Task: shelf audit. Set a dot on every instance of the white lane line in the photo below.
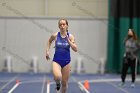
(125, 91)
(10, 81)
(31, 81)
(80, 85)
(107, 80)
(48, 87)
(14, 87)
(43, 84)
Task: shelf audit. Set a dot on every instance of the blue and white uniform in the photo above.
(62, 51)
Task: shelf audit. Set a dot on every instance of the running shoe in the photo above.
(58, 85)
(132, 85)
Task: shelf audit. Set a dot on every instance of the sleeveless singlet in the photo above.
(62, 49)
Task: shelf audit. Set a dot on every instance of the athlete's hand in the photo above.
(47, 55)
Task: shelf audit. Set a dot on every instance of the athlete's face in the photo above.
(62, 25)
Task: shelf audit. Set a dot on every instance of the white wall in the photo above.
(98, 8)
(24, 38)
(88, 8)
(26, 7)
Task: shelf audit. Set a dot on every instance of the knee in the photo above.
(57, 78)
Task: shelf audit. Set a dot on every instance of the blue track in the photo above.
(37, 83)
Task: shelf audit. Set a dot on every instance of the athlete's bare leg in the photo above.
(57, 72)
(65, 77)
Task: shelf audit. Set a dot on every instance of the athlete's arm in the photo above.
(72, 43)
(49, 42)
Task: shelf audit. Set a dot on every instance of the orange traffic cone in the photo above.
(17, 81)
(86, 84)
